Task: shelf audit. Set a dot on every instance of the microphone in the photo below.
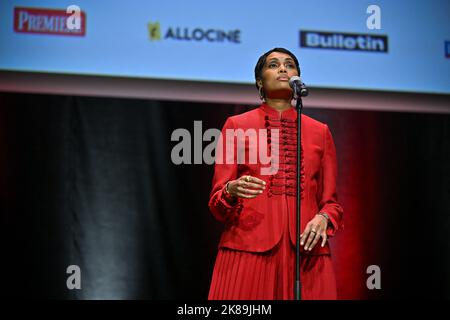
(298, 86)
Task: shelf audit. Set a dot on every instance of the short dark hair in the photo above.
(262, 61)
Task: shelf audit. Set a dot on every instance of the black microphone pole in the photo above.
(299, 106)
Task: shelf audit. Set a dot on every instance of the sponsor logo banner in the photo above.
(155, 33)
(46, 21)
(343, 41)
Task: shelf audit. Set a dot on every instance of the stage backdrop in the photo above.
(90, 182)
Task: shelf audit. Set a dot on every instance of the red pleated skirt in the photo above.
(240, 275)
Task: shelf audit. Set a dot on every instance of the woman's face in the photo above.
(277, 71)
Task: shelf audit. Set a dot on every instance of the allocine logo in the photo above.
(343, 41)
(46, 21)
(155, 33)
(447, 49)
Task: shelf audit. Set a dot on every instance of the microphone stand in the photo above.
(299, 107)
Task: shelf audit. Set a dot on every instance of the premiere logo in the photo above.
(343, 41)
(198, 34)
(48, 21)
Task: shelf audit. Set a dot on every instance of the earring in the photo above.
(261, 93)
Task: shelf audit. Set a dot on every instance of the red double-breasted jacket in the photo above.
(257, 224)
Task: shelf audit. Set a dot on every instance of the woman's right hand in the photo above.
(247, 187)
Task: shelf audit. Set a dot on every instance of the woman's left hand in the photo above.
(315, 229)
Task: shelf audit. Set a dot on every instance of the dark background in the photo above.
(89, 181)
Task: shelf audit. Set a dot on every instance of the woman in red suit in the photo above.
(256, 258)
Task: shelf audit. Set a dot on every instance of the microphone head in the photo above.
(293, 80)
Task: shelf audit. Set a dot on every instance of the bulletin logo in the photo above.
(447, 49)
(49, 21)
(343, 41)
(156, 33)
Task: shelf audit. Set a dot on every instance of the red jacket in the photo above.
(257, 224)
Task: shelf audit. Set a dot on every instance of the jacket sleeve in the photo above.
(225, 169)
(328, 202)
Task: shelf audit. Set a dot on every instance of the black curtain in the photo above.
(90, 182)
